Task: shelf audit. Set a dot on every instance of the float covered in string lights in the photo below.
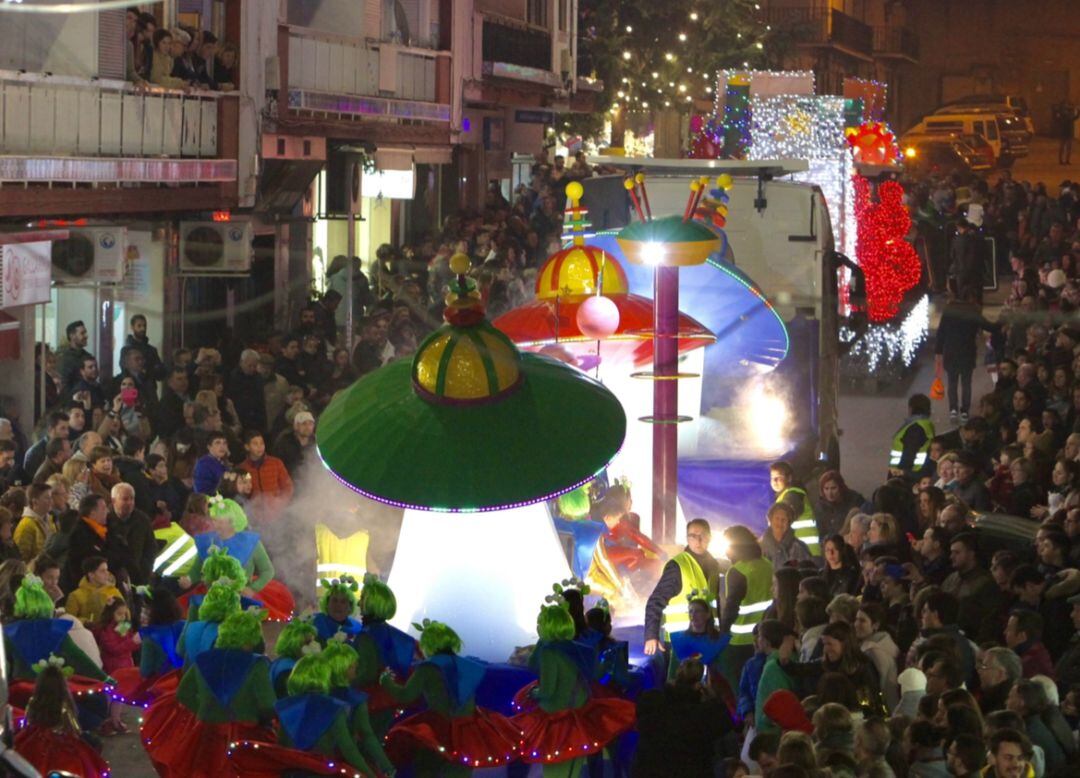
(888, 261)
(479, 421)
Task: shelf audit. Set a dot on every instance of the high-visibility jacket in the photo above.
(805, 525)
(178, 555)
(677, 612)
(335, 557)
(897, 451)
(758, 574)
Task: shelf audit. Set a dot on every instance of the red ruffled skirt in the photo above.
(48, 751)
(379, 700)
(276, 596)
(252, 759)
(568, 734)
(133, 689)
(484, 739)
(20, 692)
(523, 701)
(182, 746)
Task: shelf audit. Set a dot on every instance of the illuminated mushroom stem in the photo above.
(629, 185)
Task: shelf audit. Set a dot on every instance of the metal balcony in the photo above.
(826, 27)
(517, 45)
(896, 43)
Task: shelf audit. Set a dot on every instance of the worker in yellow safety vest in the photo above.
(747, 594)
(176, 555)
(910, 450)
(690, 569)
(804, 525)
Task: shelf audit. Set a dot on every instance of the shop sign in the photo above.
(26, 274)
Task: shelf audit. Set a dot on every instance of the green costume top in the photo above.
(773, 678)
(427, 682)
(257, 564)
(251, 700)
(360, 727)
(302, 716)
(565, 669)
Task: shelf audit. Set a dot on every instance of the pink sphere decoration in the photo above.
(598, 317)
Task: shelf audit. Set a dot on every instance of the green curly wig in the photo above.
(218, 564)
(32, 601)
(377, 601)
(310, 676)
(296, 634)
(242, 629)
(339, 657)
(575, 504)
(220, 602)
(554, 622)
(222, 508)
(437, 638)
(342, 587)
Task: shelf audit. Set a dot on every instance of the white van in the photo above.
(984, 125)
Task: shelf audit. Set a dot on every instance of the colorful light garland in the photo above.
(888, 261)
(892, 344)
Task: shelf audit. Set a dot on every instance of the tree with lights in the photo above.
(654, 57)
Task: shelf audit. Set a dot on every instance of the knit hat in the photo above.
(784, 708)
(1056, 279)
(912, 680)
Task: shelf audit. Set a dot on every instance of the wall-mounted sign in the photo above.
(25, 274)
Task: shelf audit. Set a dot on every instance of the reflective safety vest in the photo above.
(805, 525)
(897, 452)
(178, 556)
(335, 557)
(677, 613)
(758, 598)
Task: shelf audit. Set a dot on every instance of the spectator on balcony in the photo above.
(205, 59)
(183, 58)
(145, 28)
(225, 66)
(162, 68)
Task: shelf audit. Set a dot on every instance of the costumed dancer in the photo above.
(380, 646)
(33, 637)
(231, 533)
(292, 644)
(200, 635)
(159, 658)
(569, 723)
(52, 740)
(314, 736)
(217, 566)
(453, 735)
(342, 660)
(635, 557)
(701, 640)
(336, 609)
(226, 696)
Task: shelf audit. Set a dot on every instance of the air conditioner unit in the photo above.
(90, 255)
(213, 248)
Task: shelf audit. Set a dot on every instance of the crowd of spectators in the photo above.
(178, 58)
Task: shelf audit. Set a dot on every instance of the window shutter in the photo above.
(111, 44)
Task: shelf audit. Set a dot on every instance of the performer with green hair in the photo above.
(380, 646)
(33, 638)
(294, 638)
(218, 566)
(221, 601)
(342, 660)
(568, 724)
(314, 735)
(231, 533)
(336, 608)
(453, 735)
(225, 696)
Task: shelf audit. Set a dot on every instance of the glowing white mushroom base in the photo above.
(483, 574)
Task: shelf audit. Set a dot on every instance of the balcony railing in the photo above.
(896, 42)
(825, 27)
(349, 76)
(67, 116)
(516, 45)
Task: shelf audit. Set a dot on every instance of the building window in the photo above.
(538, 13)
(563, 21)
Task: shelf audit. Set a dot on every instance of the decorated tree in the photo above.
(654, 56)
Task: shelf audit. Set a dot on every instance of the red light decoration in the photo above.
(873, 143)
(222, 216)
(888, 261)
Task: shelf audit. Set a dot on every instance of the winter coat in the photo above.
(773, 678)
(790, 549)
(88, 601)
(956, 334)
(116, 649)
(884, 653)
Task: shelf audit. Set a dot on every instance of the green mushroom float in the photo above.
(471, 437)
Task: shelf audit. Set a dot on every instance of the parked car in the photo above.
(1016, 131)
(985, 125)
(940, 154)
(1014, 103)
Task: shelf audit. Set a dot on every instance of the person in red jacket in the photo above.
(272, 488)
(1023, 634)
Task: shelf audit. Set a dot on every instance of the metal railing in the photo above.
(343, 66)
(78, 117)
(825, 26)
(516, 45)
(896, 41)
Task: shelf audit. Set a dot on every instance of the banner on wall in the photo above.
(25, 274)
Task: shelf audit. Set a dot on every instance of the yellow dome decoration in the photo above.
(466, 365)
(574, 271)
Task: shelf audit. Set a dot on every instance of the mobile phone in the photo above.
(910, 538)
(129, 396)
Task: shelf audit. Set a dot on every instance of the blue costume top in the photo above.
(307, 717)
(199, 637)
(240, 546)
(462, 676)
(279, 673)
(396, 648)
(581, 655)
(167, 638)
(225, 671)
(35, 639)
(686, 644)
(328, 627)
